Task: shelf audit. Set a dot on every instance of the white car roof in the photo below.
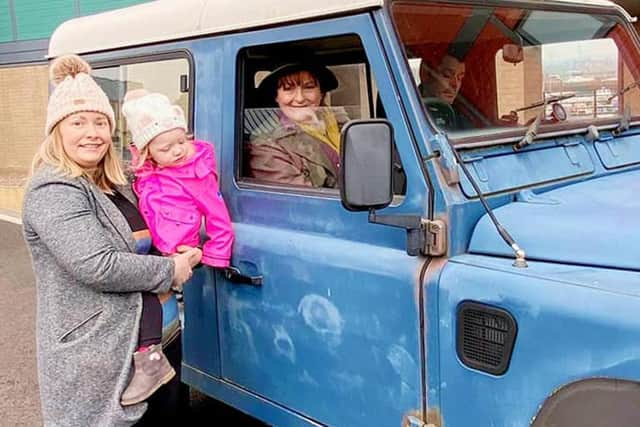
(172, 20)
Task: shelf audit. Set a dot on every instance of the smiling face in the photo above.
(86, 138)
(171, 148)
(444, 81)
(299, 95)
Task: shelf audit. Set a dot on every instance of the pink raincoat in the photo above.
(173, 201)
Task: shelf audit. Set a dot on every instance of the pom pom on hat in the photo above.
(75, 91)
(68, 65)
(150, 114)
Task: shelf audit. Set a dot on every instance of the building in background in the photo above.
(25, 28)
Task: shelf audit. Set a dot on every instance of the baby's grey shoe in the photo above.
(151, 371)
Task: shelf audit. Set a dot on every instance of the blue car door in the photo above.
(332, 333)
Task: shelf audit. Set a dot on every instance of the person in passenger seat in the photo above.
(304, 147)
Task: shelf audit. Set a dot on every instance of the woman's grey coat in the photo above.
(89, 305)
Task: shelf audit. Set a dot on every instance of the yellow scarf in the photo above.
(330, 134)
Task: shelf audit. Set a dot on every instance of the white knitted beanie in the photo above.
(150, 114)
(74, 91)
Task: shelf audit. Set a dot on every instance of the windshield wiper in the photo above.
(623, 91)
(625, 122)
(546, 101)
(530, 135)
(520, 261)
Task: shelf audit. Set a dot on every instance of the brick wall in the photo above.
(22, 114)
(533, 80)
(23, 107)
(510, 78)
(521, 84)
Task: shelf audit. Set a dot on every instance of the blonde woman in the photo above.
(83, 231)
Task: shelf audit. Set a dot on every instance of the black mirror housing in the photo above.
(366, 152)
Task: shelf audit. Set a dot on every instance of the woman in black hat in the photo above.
(304, 148)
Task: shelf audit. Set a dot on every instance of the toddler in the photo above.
(177, 186)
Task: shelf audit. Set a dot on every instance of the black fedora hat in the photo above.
(268, 87)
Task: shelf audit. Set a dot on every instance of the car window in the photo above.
(167, 76)
(482, 71)
(291, 122)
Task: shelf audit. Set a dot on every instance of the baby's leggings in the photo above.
(151, 321)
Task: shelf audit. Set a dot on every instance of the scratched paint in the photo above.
(323, 317)
(346, 381)
(283, 343)
(306, 378)
(236, 308)
(404, 365)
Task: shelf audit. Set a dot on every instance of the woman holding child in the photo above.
(96, 282)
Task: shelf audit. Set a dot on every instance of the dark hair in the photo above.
(268, 87)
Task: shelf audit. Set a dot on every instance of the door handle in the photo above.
(234, 275)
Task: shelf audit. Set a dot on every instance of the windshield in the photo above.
(485, 71)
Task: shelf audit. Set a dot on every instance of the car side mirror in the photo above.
(366, 152)
(512, 53)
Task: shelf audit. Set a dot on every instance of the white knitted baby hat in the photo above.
(74, 91)
(150, 114)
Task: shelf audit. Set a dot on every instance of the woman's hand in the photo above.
(195, 254)
(184, 262)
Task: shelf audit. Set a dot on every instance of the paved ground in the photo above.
(19, 403)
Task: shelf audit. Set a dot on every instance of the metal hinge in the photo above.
(423, 236)
(437, 233)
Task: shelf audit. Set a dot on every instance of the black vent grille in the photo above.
(485, 337)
